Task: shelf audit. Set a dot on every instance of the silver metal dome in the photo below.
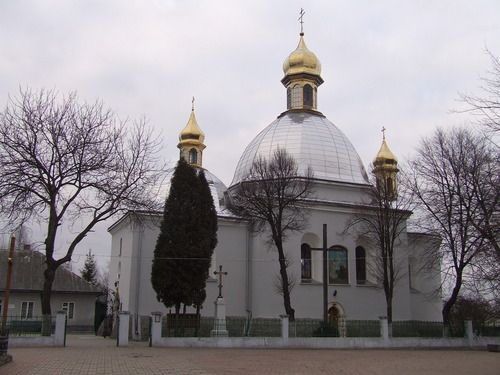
(313, 141)
(217, 188)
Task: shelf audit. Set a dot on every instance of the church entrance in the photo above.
(336, 318)
(333, 316)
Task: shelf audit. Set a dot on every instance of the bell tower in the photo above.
(302, 71)
(385, 169)
(191, 140)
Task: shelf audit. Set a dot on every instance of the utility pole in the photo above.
(325, 250)
(7, 285)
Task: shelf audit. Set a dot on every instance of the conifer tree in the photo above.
(89, 270)
(207, 237)
(186, 241)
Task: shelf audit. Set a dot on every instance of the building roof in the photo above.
(27, 275)
(313, 141)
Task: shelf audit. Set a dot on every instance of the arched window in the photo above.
(390, 187)
(360, 265)
(193, 156)
(297, 97)
(337, 265)
(308, 96)
(305, 262)
(289, 98)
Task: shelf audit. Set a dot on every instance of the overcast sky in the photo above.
(398, 64)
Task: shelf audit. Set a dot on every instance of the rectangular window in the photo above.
(120, 251)
(27, 310)
(0, 307)
(337, 266)
(69, 308)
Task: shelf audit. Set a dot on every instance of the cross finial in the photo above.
(220, 274)
(383, 133)
(301, 20)
(192, 104)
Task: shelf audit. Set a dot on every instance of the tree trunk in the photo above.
(49, 275)
(449, 304)
(285, 283)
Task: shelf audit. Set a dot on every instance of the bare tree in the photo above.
(380, 225)
(446, 176)
(487, 105)
(270, 197)
(66, 161)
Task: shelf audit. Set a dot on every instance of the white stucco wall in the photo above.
(252, 266)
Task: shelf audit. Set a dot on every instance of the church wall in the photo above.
(138, 296)
(120, 266)
(359, 302)
(343, 192)
(426, 303)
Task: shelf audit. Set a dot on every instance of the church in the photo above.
(341, 189)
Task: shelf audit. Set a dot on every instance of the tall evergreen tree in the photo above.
(207, 237)
(186, 241)
(89, 270)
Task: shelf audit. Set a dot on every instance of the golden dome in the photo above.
(302, 60)
(385, 154)
(192, 131)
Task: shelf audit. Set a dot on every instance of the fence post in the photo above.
(123, 328)
(155, 328)
(284, 327)
(469, 334)
(384, 328)
(60, 334)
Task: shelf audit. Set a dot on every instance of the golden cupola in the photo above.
(302, 60)
(385, 169)
(302, 71)
(191, 140)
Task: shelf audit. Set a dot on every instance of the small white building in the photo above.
(340, 190)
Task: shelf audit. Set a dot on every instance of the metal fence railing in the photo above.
(238, 326)
(414, 328)
(19, 326)
(489, 329)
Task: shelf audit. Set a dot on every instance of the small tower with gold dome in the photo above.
(191, 140)
(302, 71)
(385, 169)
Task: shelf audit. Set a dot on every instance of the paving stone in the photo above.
(95, 355)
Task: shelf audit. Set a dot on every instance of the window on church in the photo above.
(337, 265)
(390, 187)
(360, 265)
(308, 96)
(296, 96)
(305, 262)
(289, 98)
(193, 156)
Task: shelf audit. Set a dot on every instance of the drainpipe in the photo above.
(138, 282)
(249, 259)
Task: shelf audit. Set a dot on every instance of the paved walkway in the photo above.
(95, 355)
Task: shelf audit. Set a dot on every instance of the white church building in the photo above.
(341, 189)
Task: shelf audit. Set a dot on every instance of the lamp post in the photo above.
(4, 334)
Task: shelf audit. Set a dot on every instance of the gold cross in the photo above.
(383, 133)
(301, 20)
(192, 104)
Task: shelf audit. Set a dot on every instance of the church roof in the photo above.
(27, 274)
(313, 141)
(302, 60)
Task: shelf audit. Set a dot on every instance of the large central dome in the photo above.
(313, 141)
(304, 132)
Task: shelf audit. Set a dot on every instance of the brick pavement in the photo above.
(95, 355)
